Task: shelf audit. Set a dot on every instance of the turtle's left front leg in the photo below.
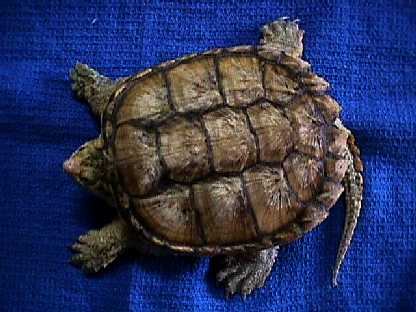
(98, 248)
(90, 86)
(246, 272)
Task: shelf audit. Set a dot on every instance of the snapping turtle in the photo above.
(234, 152)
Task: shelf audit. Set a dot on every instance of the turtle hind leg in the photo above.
(282, 35)
(246, 272)
(98, 248)
(92, 87)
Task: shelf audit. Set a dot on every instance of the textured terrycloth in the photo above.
(366, 50)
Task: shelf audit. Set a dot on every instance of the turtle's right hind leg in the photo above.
(244, 273)
(92, 87)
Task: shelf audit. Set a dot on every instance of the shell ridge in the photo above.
(262, 69)
(219, 77)
(198, 218)
(168, 91)
(162, 161)
(289, 185)
(249, 206)
(253, 133)
(209, 144)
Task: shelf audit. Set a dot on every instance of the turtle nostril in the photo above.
(71, 166)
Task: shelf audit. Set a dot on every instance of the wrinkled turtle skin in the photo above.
(234, 151)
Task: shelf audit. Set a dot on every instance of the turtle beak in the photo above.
(72, 166)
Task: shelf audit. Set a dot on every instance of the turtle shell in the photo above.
(225, 151)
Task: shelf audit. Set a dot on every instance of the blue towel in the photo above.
(366, 50)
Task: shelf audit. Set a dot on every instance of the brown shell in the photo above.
(225, 151)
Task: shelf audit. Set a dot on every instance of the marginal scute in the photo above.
(186, 58)
(309, 127)
(233, 146)
(335, 168)
(274, 204)
(170, 214)
(222, 209)
(273, 131)
(145, 99)
(337, 141)
(295, 64)
(330, 109)
(213, 52)
(136, 159)
(241, 79)
(267, 53)
(279, 85)
(330, 193)
(142, 73)
(194, 86)
(184, 149)
(305, 175)
(244, 49)
(314, 83)
(358, 164)
(288, 234)
(313, 215)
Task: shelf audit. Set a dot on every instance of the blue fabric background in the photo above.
(367, 50)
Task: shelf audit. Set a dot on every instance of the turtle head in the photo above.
(88, 168)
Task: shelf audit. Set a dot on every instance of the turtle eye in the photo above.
(88, 176)
(90, 171)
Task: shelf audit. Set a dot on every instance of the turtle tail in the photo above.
(353, 183)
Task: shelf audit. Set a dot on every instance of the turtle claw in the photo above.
(96, 250)
(222, 275)
(244, 274)
(242, 280)
(76, 247)
(91, 258)
(87, 237)
(80, 260)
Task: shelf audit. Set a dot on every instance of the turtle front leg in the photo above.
(246, 272)
(98, 248)
(90, 86)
